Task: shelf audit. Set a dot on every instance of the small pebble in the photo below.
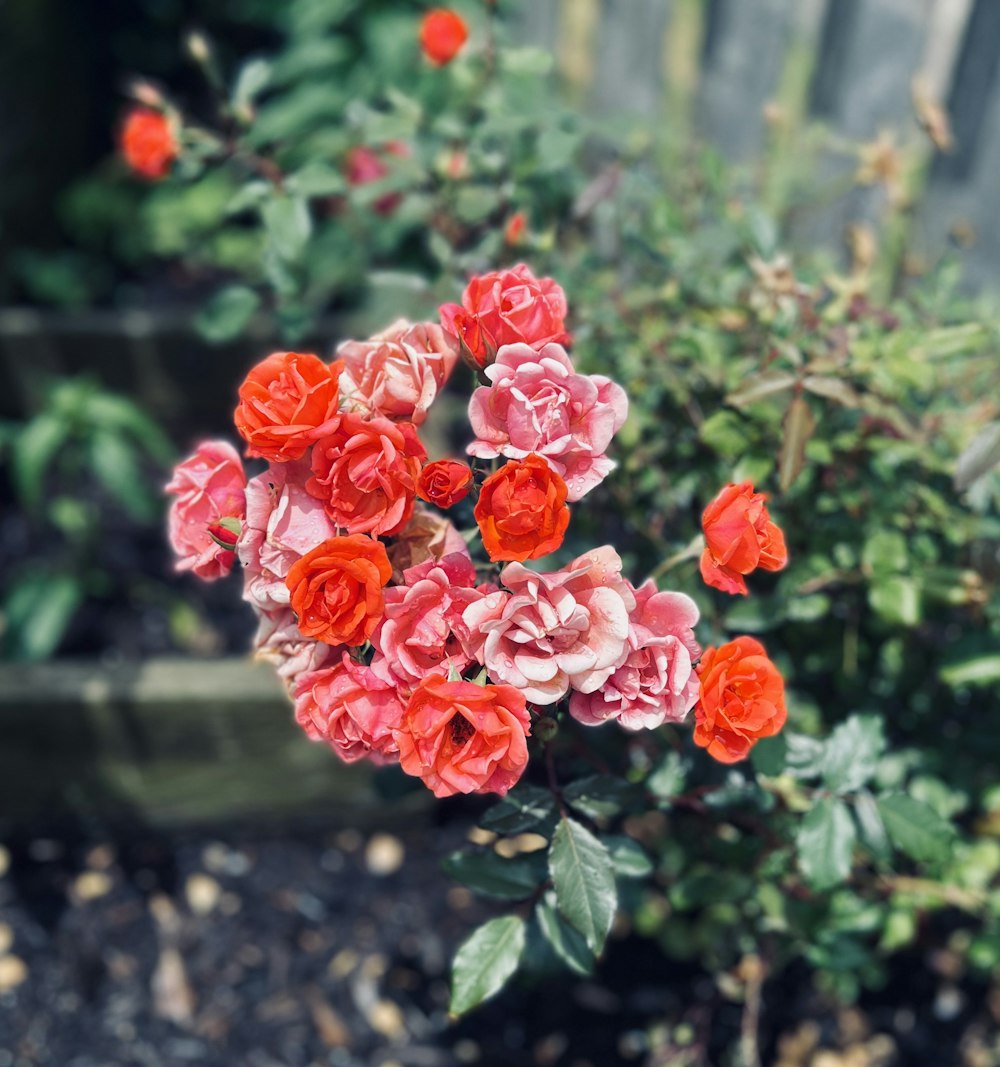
(384, 855)
(91, 885)
(508, 847)
(13, 971)
(478, 836)
(202, 892)
(459, 898)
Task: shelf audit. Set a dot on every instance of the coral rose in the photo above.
(444, 482)
(538, 403)
(366, 472)
(283, 523)
(739, 538)
(521, 511)
(279, 641)
(336, 589)
(287, 402)
(397, 373)
(423, 629)
(350, 709)
(442, 34)
(209, 486)
(460, 737)
(656, 681)
(742, 699)
(148, 143)
(503, 308)
(553, 631)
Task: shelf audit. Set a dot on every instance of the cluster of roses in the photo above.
(369, 602)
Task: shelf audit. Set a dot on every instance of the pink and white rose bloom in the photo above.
(280, 642)
(423, 629)
(536, 402)
(655, 681)
(552, 632)
(209, 485)
(397, 373)
(350, 709)
(283, 523)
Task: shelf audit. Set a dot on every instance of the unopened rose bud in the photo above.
(226, 532)
(546, 728)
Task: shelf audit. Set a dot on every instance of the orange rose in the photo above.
(444, 482)
(336, 589)
(442, 34)
(366, 474)
(742, 699)
(287, 402)
(460, 737)
(739, 538)
(521, 511)
(148, 143)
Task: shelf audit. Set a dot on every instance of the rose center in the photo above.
(461, 729)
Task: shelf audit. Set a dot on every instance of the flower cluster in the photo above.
(394, 644)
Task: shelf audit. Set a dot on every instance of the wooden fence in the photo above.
(753, 76)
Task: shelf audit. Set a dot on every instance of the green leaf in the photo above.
(34, 450)
(982, 670)
(852, 752)
(825, 843)
(252, 79)
(38, 608)
(527, 807)
(896, 599)
(804, 755)
(493, 876)
(116, 466)
(227, 314)
(627, 856)
(599, 796)
(668, 779)
(885, 553)
(317, 179)
(113, 412)
(289, 226)
(871, 829)
(484, 962)
(981, 456)
(584, 881)
(915, 828)
(566, 942)
(768, 755)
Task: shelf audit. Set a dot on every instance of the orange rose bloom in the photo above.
(147, 142)
(366, 474)
(460, 737)
(336, 589)
(739, 538)
(287, 402)
(442, 34)
(444, 482)
(521, 511)
(742, 699)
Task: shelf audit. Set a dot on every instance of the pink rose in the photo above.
(210, 485)
(280, 642)
(283, 523)
(554, 631)
(503, 308)
(423, 629)
(428, 535)
(538, 403)
(350, 709)
(397, 373)
(655, 682)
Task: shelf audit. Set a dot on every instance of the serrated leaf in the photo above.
(584, 881)
(760, 385)
(825, 843)
(979, 458)
(598, 796)
(668, 779)
(567, 943)
(871, 829)
(915, 827)
(526, 807)
(852, 752)
(798, 427)
(494, 876)
(484, 962)
(33, 451)
(628, 857)
(803, 755)
(227, 314)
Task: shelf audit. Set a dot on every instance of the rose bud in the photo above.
(444, 482)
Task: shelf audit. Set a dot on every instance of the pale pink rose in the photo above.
(656, 681)
(553, 631)
(428, 535)
(283, 522)
(210, 485)
(397, 373)
(350, 709)
(280, 642)
(538, 403)
(423, 629)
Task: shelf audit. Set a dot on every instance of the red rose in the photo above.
(444, 482)
(739, 538)
(742, 699)
(442, 34)
(148, 143)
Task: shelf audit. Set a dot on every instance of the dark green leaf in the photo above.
(227, 314)
(288, 225)
(493, 876)
(484, 962)
(566, 942)
(116, 466)
(34, 450)
(852, 752)
(896, 599)
(804, 755)
(584, 881)
(38, 608)
(768, 755)
(668, 779)
(527, 807)
(871, 829)
(915, 828)
(599, 796)
(825, 843)
(627, 856)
